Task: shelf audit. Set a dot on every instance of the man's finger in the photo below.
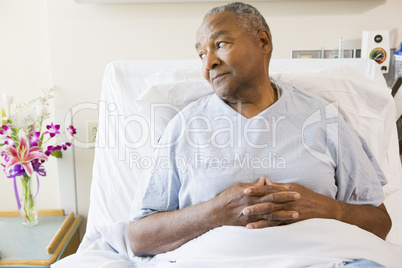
(264, 190)
(270, 211)
(280, 197)
(260, 182)
(261, 209)
(268, 182)
(275, 219)
(257, 225)
(282, 216)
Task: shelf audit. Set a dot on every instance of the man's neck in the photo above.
(257, 104)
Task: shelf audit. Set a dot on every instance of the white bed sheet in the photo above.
(229, 246)
(121, 142)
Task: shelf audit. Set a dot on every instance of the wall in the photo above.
(24, 71)
(83, 38)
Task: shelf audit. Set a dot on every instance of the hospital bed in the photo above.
(128, 132)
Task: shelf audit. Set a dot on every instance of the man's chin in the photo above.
(224, 97)
(223, 92)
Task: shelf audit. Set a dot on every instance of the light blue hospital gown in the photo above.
(300, 138)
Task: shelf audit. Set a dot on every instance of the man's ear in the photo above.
(265, 41)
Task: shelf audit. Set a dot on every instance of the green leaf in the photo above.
(57, 154)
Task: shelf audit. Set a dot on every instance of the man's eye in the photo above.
(220, 44)
(202, 56)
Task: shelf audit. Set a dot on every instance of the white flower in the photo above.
(42, 110)
(8, 98)
(24, 118)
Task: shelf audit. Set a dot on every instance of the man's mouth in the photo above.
(217, 77)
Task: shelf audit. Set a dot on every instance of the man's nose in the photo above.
(211, 61)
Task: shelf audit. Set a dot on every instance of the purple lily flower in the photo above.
(23, 155)
(35, 138)
(53, 130)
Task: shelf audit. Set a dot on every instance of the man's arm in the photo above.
(166, 231)
(312, 205)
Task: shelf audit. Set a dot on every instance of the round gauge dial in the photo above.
(378, 54)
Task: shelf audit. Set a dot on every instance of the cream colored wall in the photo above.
(83, 38)
(24, 72)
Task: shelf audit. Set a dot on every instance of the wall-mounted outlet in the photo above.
(92, 129)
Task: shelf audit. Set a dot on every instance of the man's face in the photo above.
(233, 60)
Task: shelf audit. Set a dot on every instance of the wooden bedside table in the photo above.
(56, 236)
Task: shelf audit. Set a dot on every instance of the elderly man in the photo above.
(175, 205)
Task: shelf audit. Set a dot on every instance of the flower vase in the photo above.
(29, 211)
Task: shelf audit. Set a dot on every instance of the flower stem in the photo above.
(28, 209)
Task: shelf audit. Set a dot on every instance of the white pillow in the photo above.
(170, 91)
(173, 75)
(179, 93)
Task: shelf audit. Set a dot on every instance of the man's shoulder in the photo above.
(301, 97)
(308, 105)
